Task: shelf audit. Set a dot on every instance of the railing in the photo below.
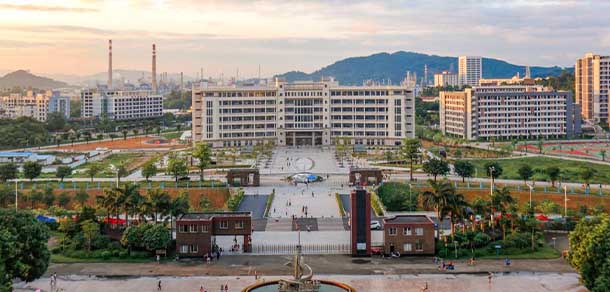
(312, 249)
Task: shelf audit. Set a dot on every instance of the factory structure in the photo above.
(119, 103)
(302, 113)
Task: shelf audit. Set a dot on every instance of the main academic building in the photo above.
(302, 113)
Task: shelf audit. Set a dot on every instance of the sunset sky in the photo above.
(70, 37)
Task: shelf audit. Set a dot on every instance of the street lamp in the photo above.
(565, 200)
(491, 193)
(16, 195)
(113, 168)
(410, 186)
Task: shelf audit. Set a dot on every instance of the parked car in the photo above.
(375, 225)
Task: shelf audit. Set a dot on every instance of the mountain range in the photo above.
(25, 79)
(384, 66)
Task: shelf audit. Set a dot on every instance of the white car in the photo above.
(375, 225)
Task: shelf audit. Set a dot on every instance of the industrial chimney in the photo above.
(154, 69)
(109, 64)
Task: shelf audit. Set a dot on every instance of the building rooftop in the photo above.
(210, 215)
(15, 154)
(406, 219)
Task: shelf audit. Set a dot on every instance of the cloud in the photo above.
(44, 8)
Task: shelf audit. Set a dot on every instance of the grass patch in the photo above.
(112, 159)
(376, 204)
(269, 202)
(172, 135)
(545, 252)
(570, 169)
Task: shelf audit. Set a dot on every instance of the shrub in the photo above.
(481, 239)
(235, 200)
(106, 254)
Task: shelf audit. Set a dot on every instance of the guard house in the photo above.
(365, 176)
(249, 177)
(409, 235)
(196, 232)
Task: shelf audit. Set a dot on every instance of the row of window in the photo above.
(203, 228)
(407, 231)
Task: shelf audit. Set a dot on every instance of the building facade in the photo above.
(446, 78)
(121, 105)
(302, 113)
(196, 232)
(592, 81)
(470, 70)
(34, 105)
(507, 112)
(409, 235)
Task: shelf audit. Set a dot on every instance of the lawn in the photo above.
(172, 135)
(114, 159)
(545, 252)
(570, 169)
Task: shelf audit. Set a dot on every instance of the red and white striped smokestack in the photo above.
(154, 69)
(109, 64)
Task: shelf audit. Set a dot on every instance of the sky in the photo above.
(70, 37)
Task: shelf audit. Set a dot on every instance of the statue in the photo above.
(302, 282)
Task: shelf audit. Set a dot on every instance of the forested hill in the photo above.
(383, 66)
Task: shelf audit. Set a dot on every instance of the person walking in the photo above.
(159, 288)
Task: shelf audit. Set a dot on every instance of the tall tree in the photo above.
(409, 150)
(553, 173)
(203, 152)
(90, 231)
(436, 167)
(525, 172)
(590, 250)
(464, 169)
(124, 131)
(129, 196)
(438, 197)
(158, 202)
(177, 167)
(31, 170)
(149, 170)
(63, 171)
(23, 247)
(493, 169)
(93, 170)
(81, 197)
(587, 173)
(8, 171)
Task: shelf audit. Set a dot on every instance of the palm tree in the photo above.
(438, 198)
(158, 203)
(130, 199)
(500, 201)
(480, 207)
(110, 200)
(457, 209)
(180, 205)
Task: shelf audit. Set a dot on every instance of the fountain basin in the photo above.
(325, 286)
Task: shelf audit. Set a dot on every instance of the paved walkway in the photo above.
(407, 283)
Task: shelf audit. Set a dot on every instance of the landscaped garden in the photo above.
(597, 150)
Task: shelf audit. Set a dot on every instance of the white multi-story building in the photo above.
(446, 78)
(302, 113)
(592, 82)
(121, 105)
(34, 105)
(507, 112)
(470, 70)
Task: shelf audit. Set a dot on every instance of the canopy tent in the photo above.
(115, 221)
(45, 219)
(542, 217)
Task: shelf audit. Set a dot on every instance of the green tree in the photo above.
(549, 207)
(553, 173)
(603, 155)
(158, 202)
(48, 197)
(35, 198)
(91, 230)
(23, 247)
(133, 236)
(203, 153)
(56, 121)
(409, 150)
(205, 204)
(590, 250)
(464, 169)
(525, 172)
(81, 197)
(124, 131)
(177, 167)
(31, 170)
(63, 171)
(63, 200)
(149, 170)
(180, 205)
(438, 197)
(120, 171)
(540, 146)
(436, 167)
(156, 237)
(112, 136)
(493, 170)
(8, 171)
(93, 170)
(587, 173)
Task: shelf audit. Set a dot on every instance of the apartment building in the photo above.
(506, 112)
(34, 105)
(446, 78)
(470, 70)
(121, 105)
(302, 113)
(592, 80)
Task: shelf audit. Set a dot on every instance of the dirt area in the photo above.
(217, 196)
(129, 143)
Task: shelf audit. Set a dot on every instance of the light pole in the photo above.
(531, 186)
(410, 186)
(491, 193)
(565, 201)
(16, 196)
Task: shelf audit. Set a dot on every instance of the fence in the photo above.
(311, 249)
(36, 185)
